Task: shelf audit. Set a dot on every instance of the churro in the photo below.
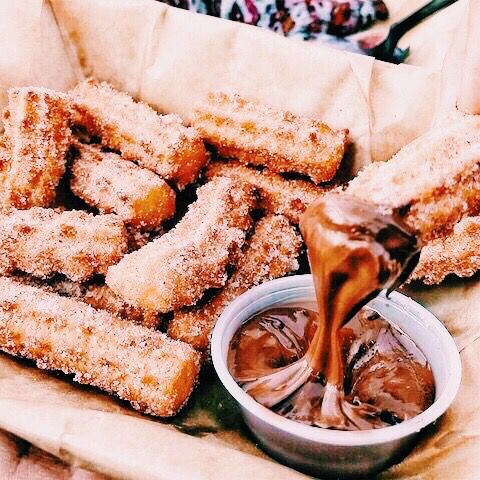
(105, 181)
(160, 143)
(276, 194)
(152, 372)
(44, 241)
(271, 253)
(37, 127)
(258, 135)
(457, 253)
(432, 182)
(176, 269)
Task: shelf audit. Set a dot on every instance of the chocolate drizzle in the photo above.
(339, 368)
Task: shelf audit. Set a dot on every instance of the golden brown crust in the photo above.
(176, 269)
(457, 253)
(258, 135)
(276, 194)
(271, 253)
(434, 181)
(137, 195)
(43, 241)
(37, 129)
(160, 143)
(146, 368)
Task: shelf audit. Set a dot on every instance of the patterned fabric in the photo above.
(307, 19)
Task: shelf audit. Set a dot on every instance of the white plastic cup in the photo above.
(333, 453)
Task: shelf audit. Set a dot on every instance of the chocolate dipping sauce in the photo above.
(343, 367)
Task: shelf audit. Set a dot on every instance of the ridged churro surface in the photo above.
(258, 135)
(277, 195)
(434, 181)
(137, 195)
(271, 253)
(146, 368)
(44, 241)
(457, 253)
(176, 269)
(37, 128)
(160, 143)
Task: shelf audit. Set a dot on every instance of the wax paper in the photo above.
(171, 59)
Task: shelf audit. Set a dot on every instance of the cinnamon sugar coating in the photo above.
(277, 195)
(105, 181)
(160, 143)
(151, 371)
(38, 135)
(457, 253)
(271, 253)
(258, 135)
(176, 269)
(43, 241)
(433, 181)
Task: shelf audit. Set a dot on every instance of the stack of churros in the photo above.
(86, 290)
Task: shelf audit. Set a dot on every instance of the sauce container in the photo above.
(333, 453)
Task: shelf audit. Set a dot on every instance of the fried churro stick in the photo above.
(176, 269)
(258, 135)
(160, 143)
(277, 195)
(43, 241)
(433, 182)
(138, 196)
(271, 253)
(36, 125)
(458, 253)
(146, 368)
